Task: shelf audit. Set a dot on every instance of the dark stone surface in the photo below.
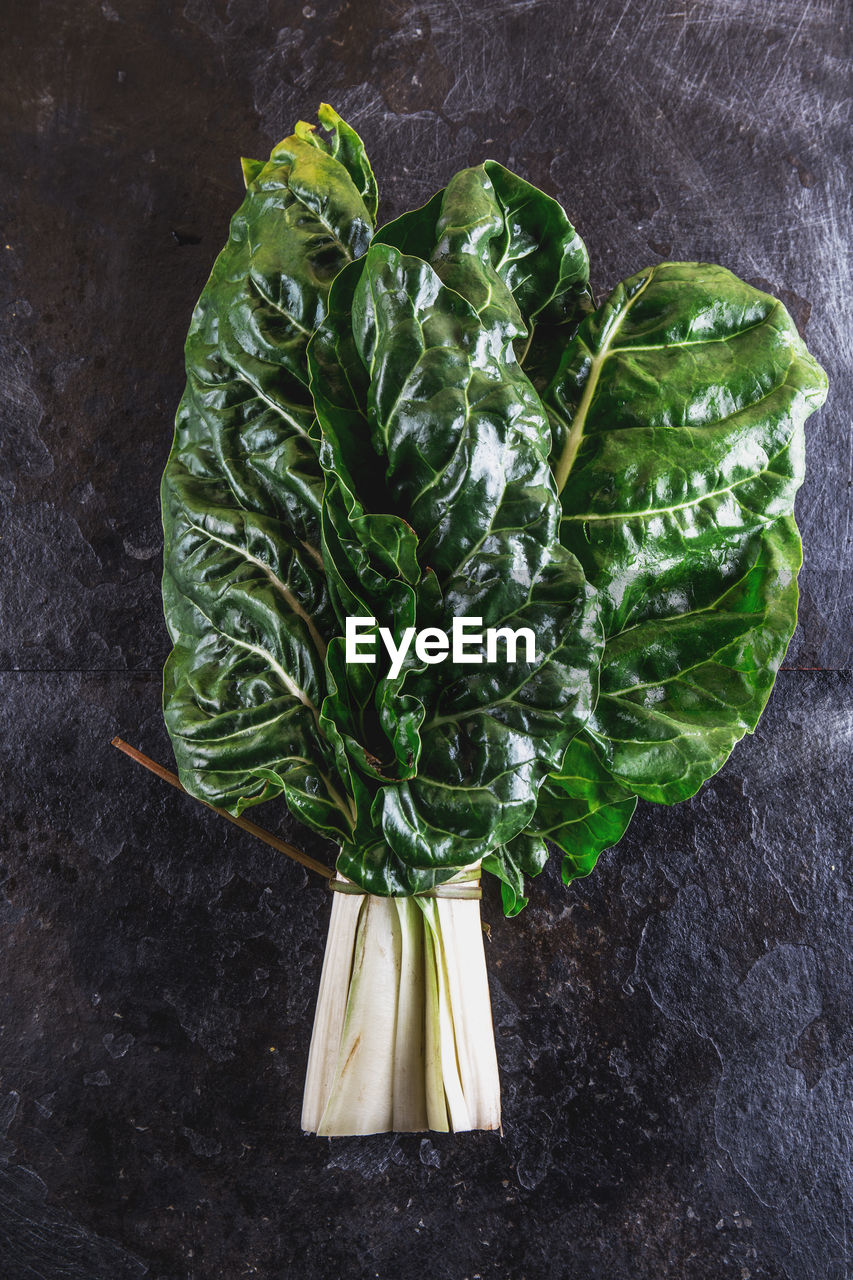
(674, 1033)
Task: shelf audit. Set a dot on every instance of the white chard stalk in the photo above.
(403, 1037)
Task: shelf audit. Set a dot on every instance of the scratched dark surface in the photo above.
(674, 1033)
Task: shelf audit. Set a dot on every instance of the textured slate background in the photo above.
(674, 1033)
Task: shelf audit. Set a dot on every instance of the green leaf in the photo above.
(251, 169)
(506, 247)
(344, 145)
(582, 809)
(678, 448)
(439, 503)
(677, 417)
(512, 253)
(244, 591)
(524, 855)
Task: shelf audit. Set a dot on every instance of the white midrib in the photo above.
(286, 593)
(261, 395)
(289, 683)
(287, 315)
(588, 516)
(566, 460)
(693, 501)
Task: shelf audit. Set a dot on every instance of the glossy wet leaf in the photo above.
(678, 449)
(458, 384)
(677, 418)
(244, 591)
(440, 503)
(525, 855)
(509, 249)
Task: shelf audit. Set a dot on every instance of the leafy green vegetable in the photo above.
(512, 253)
(429, 423)
(459, 353)
(244, 591)
(419, 400)
(677, 417)
(433, 408)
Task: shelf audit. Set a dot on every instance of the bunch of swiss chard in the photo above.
(430, 421)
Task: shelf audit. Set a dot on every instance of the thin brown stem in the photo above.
(268, 838)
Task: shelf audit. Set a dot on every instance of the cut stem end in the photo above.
(403, 1038)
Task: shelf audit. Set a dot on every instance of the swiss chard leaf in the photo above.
(678, 448)
(509, 250)
(244, 591)
(670, 423)
(581, 809)
(524, 855)
(342, 143)
(677, 417)
(512, 252)
(440, 503)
